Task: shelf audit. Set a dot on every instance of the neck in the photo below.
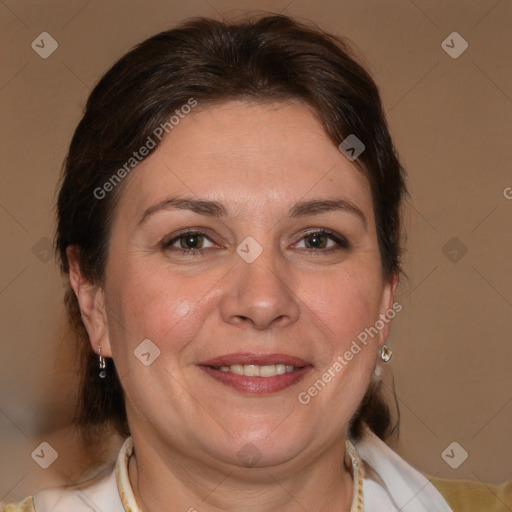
(169, 480)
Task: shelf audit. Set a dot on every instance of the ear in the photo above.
(388, 308)
(91, 300)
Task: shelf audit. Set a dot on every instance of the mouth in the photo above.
(256, 373)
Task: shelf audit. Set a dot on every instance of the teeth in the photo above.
(268, 371)
(237, 368)
(280, 369)
(253, 370)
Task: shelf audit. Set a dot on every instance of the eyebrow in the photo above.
(217, 210)
(316, 206)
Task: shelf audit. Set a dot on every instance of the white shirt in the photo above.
(383, 482)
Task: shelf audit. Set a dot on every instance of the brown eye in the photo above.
(323, 240)
(316, 241)
(189, 242)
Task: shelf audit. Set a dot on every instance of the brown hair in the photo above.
(265, 59)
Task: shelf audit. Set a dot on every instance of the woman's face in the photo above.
(256, 282)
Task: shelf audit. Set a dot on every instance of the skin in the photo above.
(258, 160)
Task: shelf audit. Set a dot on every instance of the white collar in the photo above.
(383, 482)
(391, 484)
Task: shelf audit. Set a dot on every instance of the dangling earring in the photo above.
(385, 353)
(102, 364)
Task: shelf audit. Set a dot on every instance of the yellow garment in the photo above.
(27, 505)
(461, 495)
(469, 496)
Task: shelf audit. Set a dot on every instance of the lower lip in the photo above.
(257, 385)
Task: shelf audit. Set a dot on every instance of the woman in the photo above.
(229, 218)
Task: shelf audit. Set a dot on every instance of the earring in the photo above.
(102, 364)
(385, 353)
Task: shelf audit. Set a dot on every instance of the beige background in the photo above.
(451, 120)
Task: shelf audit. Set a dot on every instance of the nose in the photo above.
(261, 295)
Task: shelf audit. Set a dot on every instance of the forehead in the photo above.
(246, 154)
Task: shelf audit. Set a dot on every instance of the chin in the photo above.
(269, 445)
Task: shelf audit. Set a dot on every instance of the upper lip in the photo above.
(256, 359)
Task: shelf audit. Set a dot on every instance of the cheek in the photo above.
(345, 305)
(161, 306)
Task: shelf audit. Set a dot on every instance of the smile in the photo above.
(256, 374)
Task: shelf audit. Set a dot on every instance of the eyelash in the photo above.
(341, 241)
